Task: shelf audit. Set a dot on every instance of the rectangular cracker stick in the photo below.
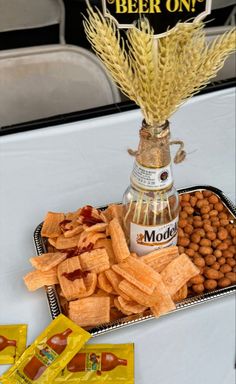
(38, 279)
(130, 306)
(160, 258)
(100, 227)
(93, 237)
(115, 280)
(64, 243)
(71, 289)
(181, 294)
(138, 274)
(106, 243)
(73, 232)
(163, 306)
(119, 243)
(90, 282)
(51, 224)
(123, 310)
(95, 261)
(116, 211)
(73, 215)
(104, 283)
(47, 261)
(52, 241)
(164, 302)
(178, 272)
(90, 311)
(135, 294)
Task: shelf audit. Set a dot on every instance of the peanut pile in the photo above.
(208, 236)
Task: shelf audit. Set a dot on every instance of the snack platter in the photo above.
(54, 303)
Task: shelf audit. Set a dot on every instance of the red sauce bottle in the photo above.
(4, 343)
(45, 357)
(105, 361)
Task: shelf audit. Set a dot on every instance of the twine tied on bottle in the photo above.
(179, 156)
(154, 146)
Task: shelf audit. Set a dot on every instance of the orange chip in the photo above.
(160, 258)
(47, 261)
(51, 225)
(181, 294)
(88, 238)
(131, 306)
(90, 282)
(118, 239)
(52, 241)
(107, 214)
(90, 216)
(90, 311)
(100, 292)
(71, 289)
(164, 305)
(100, 227)
(106, 243)
(73, 215)
(37, 279)
(178, 272)
(164, 302)
(64, 243)
(95, 261)
(104, 283)
(138, 274)
(135, 294)
(123, 310)
(95, 236)
(73, 232)
(115, 280)
(116, 211)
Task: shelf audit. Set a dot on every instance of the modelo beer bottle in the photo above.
(104, 361)
(44, 357)
(151, 203)
(4, 343)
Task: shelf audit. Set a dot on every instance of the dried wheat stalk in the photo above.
(108, 45)
(158, 74)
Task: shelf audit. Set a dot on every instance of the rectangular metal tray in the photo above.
(54, 303)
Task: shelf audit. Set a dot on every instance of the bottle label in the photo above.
(93, 362)
(151, 178)
(46, 355)
(145, 239)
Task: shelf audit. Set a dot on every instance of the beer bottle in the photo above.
(151, 202)
(4, 343)
(90, 361)
(46, 355)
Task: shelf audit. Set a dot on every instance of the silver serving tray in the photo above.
(54, 303)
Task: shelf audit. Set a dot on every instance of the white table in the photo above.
(63, 167)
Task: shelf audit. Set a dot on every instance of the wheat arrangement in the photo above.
(158, 74)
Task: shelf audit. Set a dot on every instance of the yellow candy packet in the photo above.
(12, 342)
(48, 354)
(100, 363)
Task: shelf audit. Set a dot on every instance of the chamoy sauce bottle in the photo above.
(4, 343)
(104, 361)
(45, 356)
(151, 204)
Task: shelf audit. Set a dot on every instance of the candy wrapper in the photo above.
(48, 355)
(100, 363)
(12, 342)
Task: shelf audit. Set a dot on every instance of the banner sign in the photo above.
(162, 14)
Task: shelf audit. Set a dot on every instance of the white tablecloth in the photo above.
(63, 167)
